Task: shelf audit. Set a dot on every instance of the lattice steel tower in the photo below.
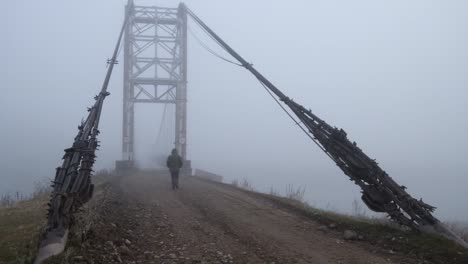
(155, 68)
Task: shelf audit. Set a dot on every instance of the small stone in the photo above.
(127, 242)
(332, 225)
(349, 235)
(322, 228)
(172, 256)
(148, 255)
(125, 250)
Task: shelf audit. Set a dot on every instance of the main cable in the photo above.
(207, 48)
(198, 22)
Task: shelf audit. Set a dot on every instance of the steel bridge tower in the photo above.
(155, 69)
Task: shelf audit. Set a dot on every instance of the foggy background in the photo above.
(392, 74)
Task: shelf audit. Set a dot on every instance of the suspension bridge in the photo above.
(153, 41)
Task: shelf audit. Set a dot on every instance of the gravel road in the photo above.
(143, 221)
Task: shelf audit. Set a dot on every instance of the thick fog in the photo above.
(392, 74)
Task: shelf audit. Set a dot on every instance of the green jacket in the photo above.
(174, 162)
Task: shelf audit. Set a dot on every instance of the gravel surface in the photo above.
(142, 220)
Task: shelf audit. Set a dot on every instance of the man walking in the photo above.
(174, 163)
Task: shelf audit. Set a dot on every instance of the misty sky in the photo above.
(393, 74)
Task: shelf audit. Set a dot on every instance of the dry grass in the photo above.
(246, 185)
(23, 218)
(20, 226)
(358, 210)
(9, 200)
(460, 228)
(296, 194)
(291, 193)
(274, 192)
(235, 183)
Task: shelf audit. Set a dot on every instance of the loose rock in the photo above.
(350, 235)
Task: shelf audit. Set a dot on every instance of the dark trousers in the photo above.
(175, 179)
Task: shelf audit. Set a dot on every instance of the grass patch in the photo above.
(20, 227)
(84, 222)
(23, 221)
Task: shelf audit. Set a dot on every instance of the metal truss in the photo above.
(155, 68)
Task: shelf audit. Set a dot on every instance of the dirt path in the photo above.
(144, 221)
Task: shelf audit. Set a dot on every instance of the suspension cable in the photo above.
(164, 124)
(297, 122)
(161, 125)
(207, 48)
